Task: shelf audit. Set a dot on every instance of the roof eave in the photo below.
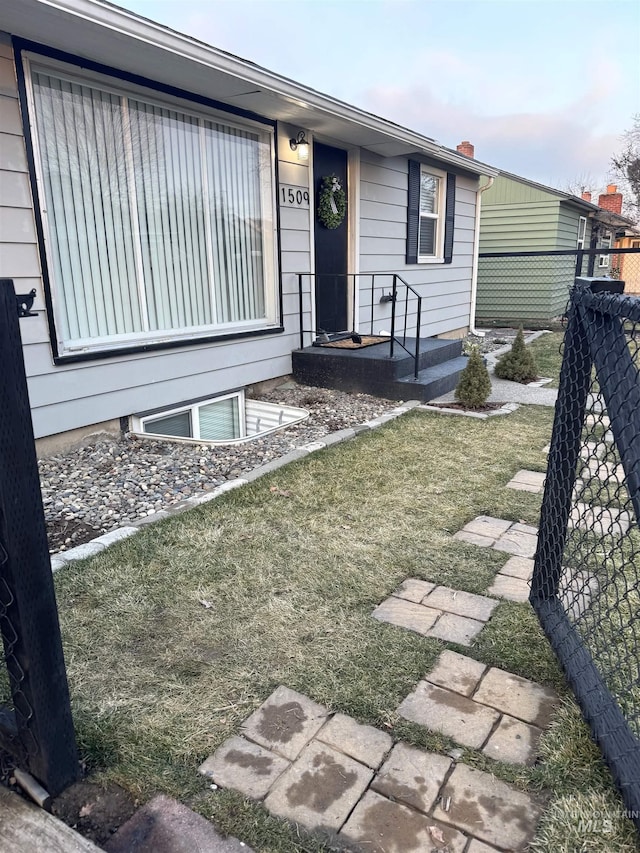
(157, 36)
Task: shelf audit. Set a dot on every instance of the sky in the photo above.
(542, 89)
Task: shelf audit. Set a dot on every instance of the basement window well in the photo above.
(229, 419)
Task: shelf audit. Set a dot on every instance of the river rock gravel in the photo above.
(110, 483)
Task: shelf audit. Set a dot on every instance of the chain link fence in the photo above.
(35, 723)
(586, 582)
(533, 288)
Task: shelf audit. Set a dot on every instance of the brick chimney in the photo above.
(611, 200)
(586, 195)
(466, 148)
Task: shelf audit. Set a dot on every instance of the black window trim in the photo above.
(21, 46)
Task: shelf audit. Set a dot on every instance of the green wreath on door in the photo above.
(332, 204)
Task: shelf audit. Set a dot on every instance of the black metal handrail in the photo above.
(410, 289)
(392, 297)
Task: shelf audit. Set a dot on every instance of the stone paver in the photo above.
(456, 672)
(461, 603)
(489, 809)
(527, 481)
(364, 743)
(444, 613)
(414, 590)
(519, 708)
(163, 825)
(600, 520)
(518, 567)
(406, 614)
(502, 535)
(378, 825)
(513, 589)
(447, 712)
(285, 722)
(474, 539)
(513, 741)
(518, 542)
(351, 779)
(486, 525)
(412, 776)
(456, 629)
(517, 697)
(320, 788)
(245, 767)
(480, 847)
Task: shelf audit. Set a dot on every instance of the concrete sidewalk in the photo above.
(503, 391)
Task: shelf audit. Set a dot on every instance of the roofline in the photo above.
(132, 25)
(574, 199)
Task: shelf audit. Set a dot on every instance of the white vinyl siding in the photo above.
(160, 222)
(446, 289)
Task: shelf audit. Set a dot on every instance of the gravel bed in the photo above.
(111, 483)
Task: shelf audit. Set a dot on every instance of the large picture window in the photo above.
(159, 221)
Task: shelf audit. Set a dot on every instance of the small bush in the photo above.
(518, 364)
(475, 385)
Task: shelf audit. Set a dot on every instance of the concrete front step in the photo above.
(371, 371)
(25, 827)
(433, 381)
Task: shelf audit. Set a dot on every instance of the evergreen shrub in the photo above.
(518, 364)
(474, 385)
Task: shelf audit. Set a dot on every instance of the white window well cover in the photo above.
(230, 419)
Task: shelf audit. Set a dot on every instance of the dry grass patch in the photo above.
(175, 636)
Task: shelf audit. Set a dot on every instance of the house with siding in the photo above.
(167, 202)
(519, 215)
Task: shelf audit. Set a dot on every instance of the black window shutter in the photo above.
(449, 218)
(413, 212)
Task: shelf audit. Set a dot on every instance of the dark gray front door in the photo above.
(331, 246)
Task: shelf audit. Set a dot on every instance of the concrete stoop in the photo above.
(351, 783)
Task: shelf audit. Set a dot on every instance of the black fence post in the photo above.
(28, 611)
(575, 375)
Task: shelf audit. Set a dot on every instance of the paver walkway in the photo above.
(331, 774)
(483, 707)
(577, 588)
(500, 534)
(513, 581)
(437, 611)
(528, 481)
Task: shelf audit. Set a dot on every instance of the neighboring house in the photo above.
(627, 266)
(160, 197)
(519, 215)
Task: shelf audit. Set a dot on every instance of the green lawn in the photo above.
(174, 637)
(547, 353)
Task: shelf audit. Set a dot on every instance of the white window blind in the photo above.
(429, 213)
(158, 220)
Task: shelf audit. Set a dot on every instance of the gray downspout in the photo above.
(474, 270)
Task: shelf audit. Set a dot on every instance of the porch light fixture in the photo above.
(300, 144)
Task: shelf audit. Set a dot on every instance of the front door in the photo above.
(331, 246)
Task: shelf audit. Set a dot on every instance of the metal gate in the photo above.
(586, 581)
(37, 729)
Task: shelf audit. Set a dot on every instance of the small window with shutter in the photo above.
(430, 219)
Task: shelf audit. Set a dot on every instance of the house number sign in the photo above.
(292, 196)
